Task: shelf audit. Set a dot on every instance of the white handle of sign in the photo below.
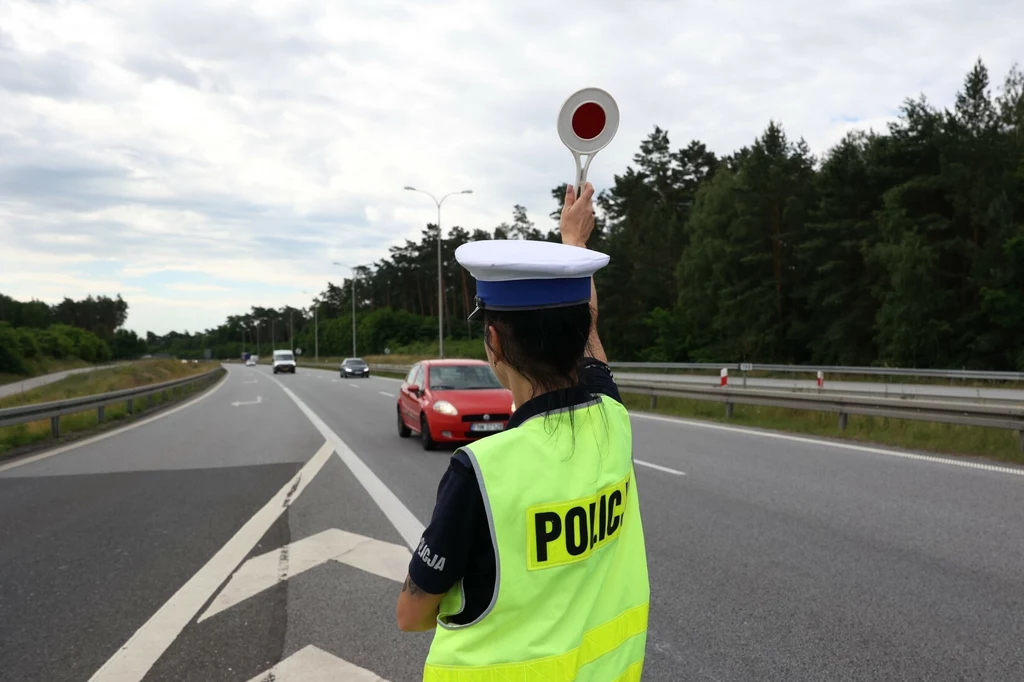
(581, 173)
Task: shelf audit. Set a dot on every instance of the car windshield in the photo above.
(354, 363)
(462, 377)
(285, 357)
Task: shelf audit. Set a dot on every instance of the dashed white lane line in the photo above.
(651, 465)
(390, 395)
(832, 444)
(133, 660)
(115, 432)
(355, 385)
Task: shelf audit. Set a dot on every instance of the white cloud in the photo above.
(254, 143)
(196, 287)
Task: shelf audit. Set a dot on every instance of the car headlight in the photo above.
(445, 407)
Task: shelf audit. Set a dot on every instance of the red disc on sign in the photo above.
(588, 120)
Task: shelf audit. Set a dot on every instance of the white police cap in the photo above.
(517, 274)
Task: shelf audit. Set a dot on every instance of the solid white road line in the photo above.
(407, 525)
(115, 432)
(312, 664)
(833, 444)
(133, 660)
(390, 395)
(651, 465)
(260, 573)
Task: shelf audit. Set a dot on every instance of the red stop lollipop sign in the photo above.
(587, 123)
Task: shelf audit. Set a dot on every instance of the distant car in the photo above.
(250, 363)
(284, 361)
(452, 401)
(354, 367)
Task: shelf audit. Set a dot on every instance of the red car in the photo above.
(452, 401)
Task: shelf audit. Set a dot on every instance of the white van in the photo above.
(284, 361)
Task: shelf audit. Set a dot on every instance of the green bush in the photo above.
(84, 345)
(12, 361)
(30, 349)
(55, 344)
(19, 345)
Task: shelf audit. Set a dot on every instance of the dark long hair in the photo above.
(545, 346)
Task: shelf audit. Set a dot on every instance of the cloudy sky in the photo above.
(199, 157)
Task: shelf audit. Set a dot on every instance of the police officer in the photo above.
(533, 565)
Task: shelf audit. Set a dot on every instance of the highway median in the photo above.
(74, 422)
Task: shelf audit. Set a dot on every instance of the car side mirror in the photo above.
(413, 388)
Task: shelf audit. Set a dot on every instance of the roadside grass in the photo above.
(951, 439)
(92, 383)
(43, 366)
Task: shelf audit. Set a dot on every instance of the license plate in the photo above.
(493, 426)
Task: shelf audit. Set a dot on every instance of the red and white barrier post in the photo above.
(821, 379)
(725, 377)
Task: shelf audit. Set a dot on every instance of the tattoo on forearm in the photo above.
(410, 587)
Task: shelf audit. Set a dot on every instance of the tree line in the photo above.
(903, 247)
(88, 329)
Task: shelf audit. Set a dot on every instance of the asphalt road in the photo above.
(237, 533)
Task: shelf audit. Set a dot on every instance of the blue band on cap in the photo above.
(526, 294)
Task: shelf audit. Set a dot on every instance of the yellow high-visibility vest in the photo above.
(572, 592)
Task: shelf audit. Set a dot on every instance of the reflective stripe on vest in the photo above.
(561, 668)
(571, 595)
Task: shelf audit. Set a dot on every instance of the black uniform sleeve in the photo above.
(597, 378)
(442, 556)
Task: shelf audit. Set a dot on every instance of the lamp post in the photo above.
(354, 353)
(440, 286)
(259, 321)
(316, 328)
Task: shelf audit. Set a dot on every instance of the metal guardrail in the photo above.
(996, 415)
(963, 374)
(952, 374)
(56, 409)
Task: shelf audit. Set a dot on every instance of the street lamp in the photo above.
(316, 327)
(354, 353)
(440, 287)
(259, 320)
